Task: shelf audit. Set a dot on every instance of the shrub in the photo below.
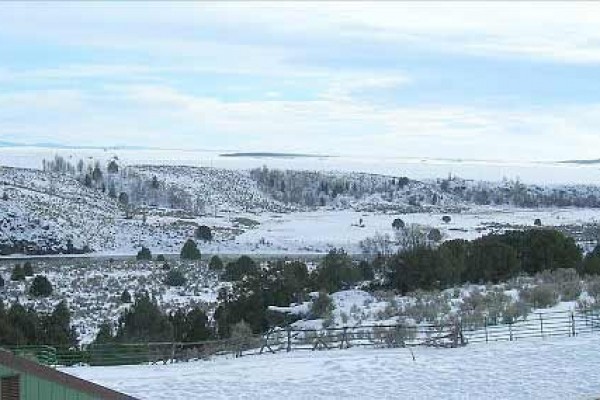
(204, 233)
(541, 296)
(322, 306)
(593, 289)
(160, 258)
(570, 290)
(144, 254)
(28, 269)
(215, 263)
(40, 287)
(190, 251)
(17, 273)
(238, 269)
(515, 311)
(175, 278)
(125, 297)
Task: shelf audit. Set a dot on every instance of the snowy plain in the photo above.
(558, 368)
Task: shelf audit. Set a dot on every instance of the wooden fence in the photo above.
(287, 339)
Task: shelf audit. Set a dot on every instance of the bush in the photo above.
(17, 273)
(243, 266)
(190, 251)
(204, 233)
(515, 311)
(160, 258)
(593, 289)
(541, 296)
(144, 254)
(125, 297)
(28, 269)
(40, 287)
(215, 264)
(175, 278)
(570, 290)
(322, 306)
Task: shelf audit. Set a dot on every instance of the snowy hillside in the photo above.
(114, 208)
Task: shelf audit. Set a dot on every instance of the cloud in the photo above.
(163, 116)
(318, 77)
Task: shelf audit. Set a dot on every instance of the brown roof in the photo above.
(23, 365)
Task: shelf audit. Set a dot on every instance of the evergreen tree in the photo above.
(28, 269)
(123, 198)
(105, 334)
(40, 287)
(87, 180)
(125, 297)
(1, 282)
(113, 167)
(17, 273)
(190, 251)
(144, 254)
(175, 278)
(155, 184)
(57, 327)
(112, 192)
(398, 224)
(215, 264)
(144, 322)
(204, 233)
(243, 266)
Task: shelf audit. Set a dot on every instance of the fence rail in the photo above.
(460, 333)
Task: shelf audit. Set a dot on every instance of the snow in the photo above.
(555, 368)
(416, 168)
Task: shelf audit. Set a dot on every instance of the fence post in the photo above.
(510, 332)
(541, 325)
(573, 330)
(344, 338)
(289, 338)
(485, 322)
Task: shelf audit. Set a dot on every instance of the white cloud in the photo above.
(163, 116)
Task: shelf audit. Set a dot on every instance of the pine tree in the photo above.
(204, 233)
(17, 273)
(144, 254)
(40, 287)
(125, 297)
(175, 278)
(215, 263)
(113, 167)
(104, 334)
(190, 251)
(28, 269)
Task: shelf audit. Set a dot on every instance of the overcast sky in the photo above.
(488, 80)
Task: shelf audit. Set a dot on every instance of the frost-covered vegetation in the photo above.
(492, 280)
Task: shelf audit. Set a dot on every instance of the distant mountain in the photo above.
(581, 162)
(274, 155)
(51, 145)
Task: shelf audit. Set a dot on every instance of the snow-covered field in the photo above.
(321, 230)
(559, 368)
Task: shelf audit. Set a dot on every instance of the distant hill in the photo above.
(274, 155)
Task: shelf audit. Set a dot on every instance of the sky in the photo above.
(473, 80)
